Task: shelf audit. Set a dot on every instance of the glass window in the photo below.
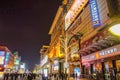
(118, 65)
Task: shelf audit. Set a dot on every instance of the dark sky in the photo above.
(24, 26)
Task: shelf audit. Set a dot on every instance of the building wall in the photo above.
(86, 21)
(83, 22)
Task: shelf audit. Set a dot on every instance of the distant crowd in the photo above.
(25, 76)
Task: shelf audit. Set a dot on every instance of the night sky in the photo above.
(24, 26)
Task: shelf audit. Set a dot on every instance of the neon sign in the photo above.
(75, 9)
(44, 61)
(109, 51)
(2, 53)
(113, 51)
(94, 13)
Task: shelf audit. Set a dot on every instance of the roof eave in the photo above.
(59, 11)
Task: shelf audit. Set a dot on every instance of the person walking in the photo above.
(118, 75)
(25, 76)
(37, 77)
(52, 77)
(9, 76)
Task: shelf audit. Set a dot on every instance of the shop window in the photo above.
(108, 66)
(118, 65)
(108, 70)
(113, 7)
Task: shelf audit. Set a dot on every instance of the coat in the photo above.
(118, 76)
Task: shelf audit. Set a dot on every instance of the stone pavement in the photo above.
(78, 79)
(83, 79)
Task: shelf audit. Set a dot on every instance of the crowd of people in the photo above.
(18, 76)
(62, 76)
(33, 76)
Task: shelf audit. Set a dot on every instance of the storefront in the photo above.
(77, 71)
(74, 59)
(45, 67)
(56, 67)
(105, 62)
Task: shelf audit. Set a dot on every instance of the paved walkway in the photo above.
(78, 79)
(83, 79)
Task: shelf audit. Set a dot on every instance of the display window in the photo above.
(108, 70)
(108, 66)
(77, 71)
(118, 65)
(97, 67)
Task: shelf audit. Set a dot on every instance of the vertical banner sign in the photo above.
(94, 13)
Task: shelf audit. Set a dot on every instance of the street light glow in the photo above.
(115, 30)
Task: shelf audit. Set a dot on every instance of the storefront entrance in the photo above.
(77, 71)
(117, 65)
(109, 70)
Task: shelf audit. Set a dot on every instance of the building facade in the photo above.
(98, 48)
(58, 44)
(44, 62)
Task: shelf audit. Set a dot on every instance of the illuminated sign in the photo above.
(45, 72)
(56, 65)
(113, 51)
(2, 53)
(7, 56)
(75, 9)
(2, 59)
(17, 62)
(109, 51)
(94, 13)
(44, 61)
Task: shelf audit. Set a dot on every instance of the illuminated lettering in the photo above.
(109, 51)
(75, 9)
(94, 13)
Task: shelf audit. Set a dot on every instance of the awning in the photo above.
(101, 44)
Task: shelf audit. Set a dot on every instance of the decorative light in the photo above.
(115, 29)
(75, 9)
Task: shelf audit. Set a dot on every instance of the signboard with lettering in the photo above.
(94, 13)
(75, 9)
(44, 61)
(2, 53)
(113, 51)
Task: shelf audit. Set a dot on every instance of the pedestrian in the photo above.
(52, 77)
(6, 76)
(25, 77)
(118, 75)
(16, 75)
(40, 76)
(29, 76)
(9, 76)
(37, 77)
(112, 76)
(19, 77)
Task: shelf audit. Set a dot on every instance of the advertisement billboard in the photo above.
(73, 12)
(95, 13)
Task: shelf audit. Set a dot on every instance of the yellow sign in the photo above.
(75, 9)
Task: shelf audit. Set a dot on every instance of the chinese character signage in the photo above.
(112, 51)
(95, 13)
(75, 9)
